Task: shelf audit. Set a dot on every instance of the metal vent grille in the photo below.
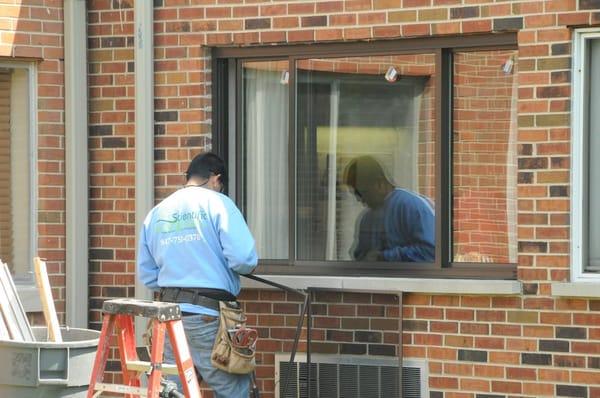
(348, 376)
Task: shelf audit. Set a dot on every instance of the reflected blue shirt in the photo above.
(195, 238)
(403, 229)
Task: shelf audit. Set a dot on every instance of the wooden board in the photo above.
(12, 309)
(43, 285)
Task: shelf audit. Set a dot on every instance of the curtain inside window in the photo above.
(266, 158)
(5, 176)
(14, 170)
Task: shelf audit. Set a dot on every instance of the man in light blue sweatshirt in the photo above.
(398, 225)
(193, 247)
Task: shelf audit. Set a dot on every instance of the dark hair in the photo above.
(204, 165)
(364, 170)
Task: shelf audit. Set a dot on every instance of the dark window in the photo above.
(389, 158)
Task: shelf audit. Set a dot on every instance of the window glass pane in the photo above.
(366, 158)
(484, 157)
(14, 170)
(594, 159)
(265, 155)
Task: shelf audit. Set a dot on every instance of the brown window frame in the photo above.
(443, 48)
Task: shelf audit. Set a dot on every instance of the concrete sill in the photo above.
(391, 285)
(30, 297)
(576, 289)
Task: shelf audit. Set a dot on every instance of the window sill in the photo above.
(391, 285)
(576, 289)
(30, 297)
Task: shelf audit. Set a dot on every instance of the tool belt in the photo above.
(235, 345)
(187, 295)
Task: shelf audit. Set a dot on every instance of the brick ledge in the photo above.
(576, 289)
(392, 285)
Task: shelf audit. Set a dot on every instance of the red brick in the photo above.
(447, 28)
(386, 31)
(506, 387)
(416, 30)
(476, 26)
(521, 374)
(580, 18)
(357, 33)
(539, 21)
(443, 382)
(538, 389)
(461, 369)
(301, 36)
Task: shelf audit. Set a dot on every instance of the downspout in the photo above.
(76, 163)
(144, 128)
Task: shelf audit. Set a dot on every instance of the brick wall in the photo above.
(526, 345)
(32, 31)
(182, 92)
(342, 323)
(111, 153)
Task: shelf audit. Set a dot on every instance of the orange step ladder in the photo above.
(165, 318)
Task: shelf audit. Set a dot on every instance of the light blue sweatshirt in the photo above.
(195, 238)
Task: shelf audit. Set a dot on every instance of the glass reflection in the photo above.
(365, 158)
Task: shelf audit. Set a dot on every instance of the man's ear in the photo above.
(215, 181)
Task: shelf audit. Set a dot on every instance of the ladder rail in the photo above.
(165, 319)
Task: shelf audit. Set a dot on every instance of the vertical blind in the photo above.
(15, 211)
(6, 241)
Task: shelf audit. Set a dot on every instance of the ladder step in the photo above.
(144, 366)
(122, 389)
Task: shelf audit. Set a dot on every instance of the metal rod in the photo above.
(295, 344)
(308, 329)
(275, 284)
(306, 311)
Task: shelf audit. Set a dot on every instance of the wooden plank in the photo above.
(43, 284)
(12, 309)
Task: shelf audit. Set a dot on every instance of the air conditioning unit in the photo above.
(350, 376)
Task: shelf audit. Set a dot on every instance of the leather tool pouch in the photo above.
(226, 355)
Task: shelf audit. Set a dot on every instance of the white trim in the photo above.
(392, 285)
(76, 164)
(25, 283)
(33, 145)
(144, 129)
(578, 172)
(578, 289)
(32, 91)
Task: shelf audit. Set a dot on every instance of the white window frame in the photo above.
(578, 160)
(24, 282)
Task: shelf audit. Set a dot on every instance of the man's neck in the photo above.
(196, 182)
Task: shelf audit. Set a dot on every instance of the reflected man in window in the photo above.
(398, 225)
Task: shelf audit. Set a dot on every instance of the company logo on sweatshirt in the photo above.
(180, 221)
